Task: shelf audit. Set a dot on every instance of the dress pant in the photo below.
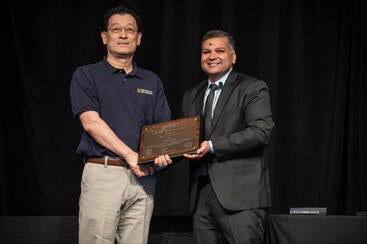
(113, 206)
(214, 224)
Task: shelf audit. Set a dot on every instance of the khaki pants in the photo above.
(113, 205)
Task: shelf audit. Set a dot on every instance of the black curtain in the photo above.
(311, 53)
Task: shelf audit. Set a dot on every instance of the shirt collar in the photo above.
(222, 79)
(135, 72)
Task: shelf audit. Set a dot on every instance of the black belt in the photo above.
(108, 161)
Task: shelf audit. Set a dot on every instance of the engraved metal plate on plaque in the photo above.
(174, 137)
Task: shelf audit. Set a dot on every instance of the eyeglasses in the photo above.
(119, 29)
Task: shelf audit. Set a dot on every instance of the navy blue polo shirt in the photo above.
(125, 102)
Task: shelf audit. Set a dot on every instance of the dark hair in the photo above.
(220, 33)
(122, 10)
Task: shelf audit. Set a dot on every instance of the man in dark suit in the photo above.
(230, 192)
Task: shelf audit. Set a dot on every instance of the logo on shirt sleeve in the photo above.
(144, 91)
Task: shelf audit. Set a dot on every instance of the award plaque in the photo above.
(174, 137)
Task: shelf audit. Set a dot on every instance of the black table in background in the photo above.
(316, 229)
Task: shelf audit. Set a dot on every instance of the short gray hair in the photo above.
(220, 33)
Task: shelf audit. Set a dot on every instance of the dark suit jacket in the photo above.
(242, 127)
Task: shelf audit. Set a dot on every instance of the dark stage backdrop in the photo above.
(312, 54)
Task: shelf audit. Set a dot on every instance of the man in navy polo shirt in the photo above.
(113, 99)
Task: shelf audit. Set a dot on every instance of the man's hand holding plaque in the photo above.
(149, 169)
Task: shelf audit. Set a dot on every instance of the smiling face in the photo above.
(216, 57)
(122, 36)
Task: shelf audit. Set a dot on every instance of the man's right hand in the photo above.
(132, 160)
(201, 152)
(143, 170)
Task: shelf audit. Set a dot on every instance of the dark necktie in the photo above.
(208, 110)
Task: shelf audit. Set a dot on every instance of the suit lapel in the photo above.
(224, 95)
(199, 103)
(199, 100)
